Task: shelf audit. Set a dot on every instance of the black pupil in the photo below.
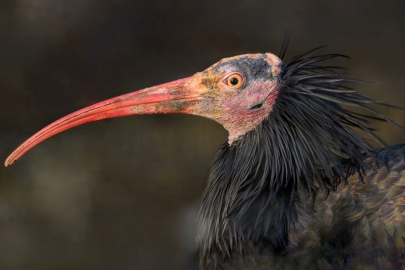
(234, 81)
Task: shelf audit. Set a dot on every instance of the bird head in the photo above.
(237, 92)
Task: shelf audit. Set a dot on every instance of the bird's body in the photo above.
(361, 225)
(295, 187)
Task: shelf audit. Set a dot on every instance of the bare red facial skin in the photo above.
(234, 108)
(206, 94)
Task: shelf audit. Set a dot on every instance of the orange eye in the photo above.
(235, 80)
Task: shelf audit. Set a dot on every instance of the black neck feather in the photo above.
(260, 182)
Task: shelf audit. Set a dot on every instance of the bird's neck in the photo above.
(258, 182)
(244, 204)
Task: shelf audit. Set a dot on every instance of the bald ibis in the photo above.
(296, 186)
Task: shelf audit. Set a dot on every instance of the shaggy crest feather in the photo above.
(301, 148)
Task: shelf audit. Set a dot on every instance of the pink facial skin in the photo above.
(232, 107)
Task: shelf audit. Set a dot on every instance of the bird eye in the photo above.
(235, 80)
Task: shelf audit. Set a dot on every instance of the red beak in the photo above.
(174, 97)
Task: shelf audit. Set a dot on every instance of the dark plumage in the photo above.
(360, 225)
(295, 187)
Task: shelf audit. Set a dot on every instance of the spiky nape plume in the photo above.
(306, 145)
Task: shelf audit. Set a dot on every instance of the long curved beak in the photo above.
(174, 97)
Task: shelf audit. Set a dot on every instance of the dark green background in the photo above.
(123, 193)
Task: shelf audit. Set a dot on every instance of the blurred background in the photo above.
(124, 193)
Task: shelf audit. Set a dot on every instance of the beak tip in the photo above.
(8, 162)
